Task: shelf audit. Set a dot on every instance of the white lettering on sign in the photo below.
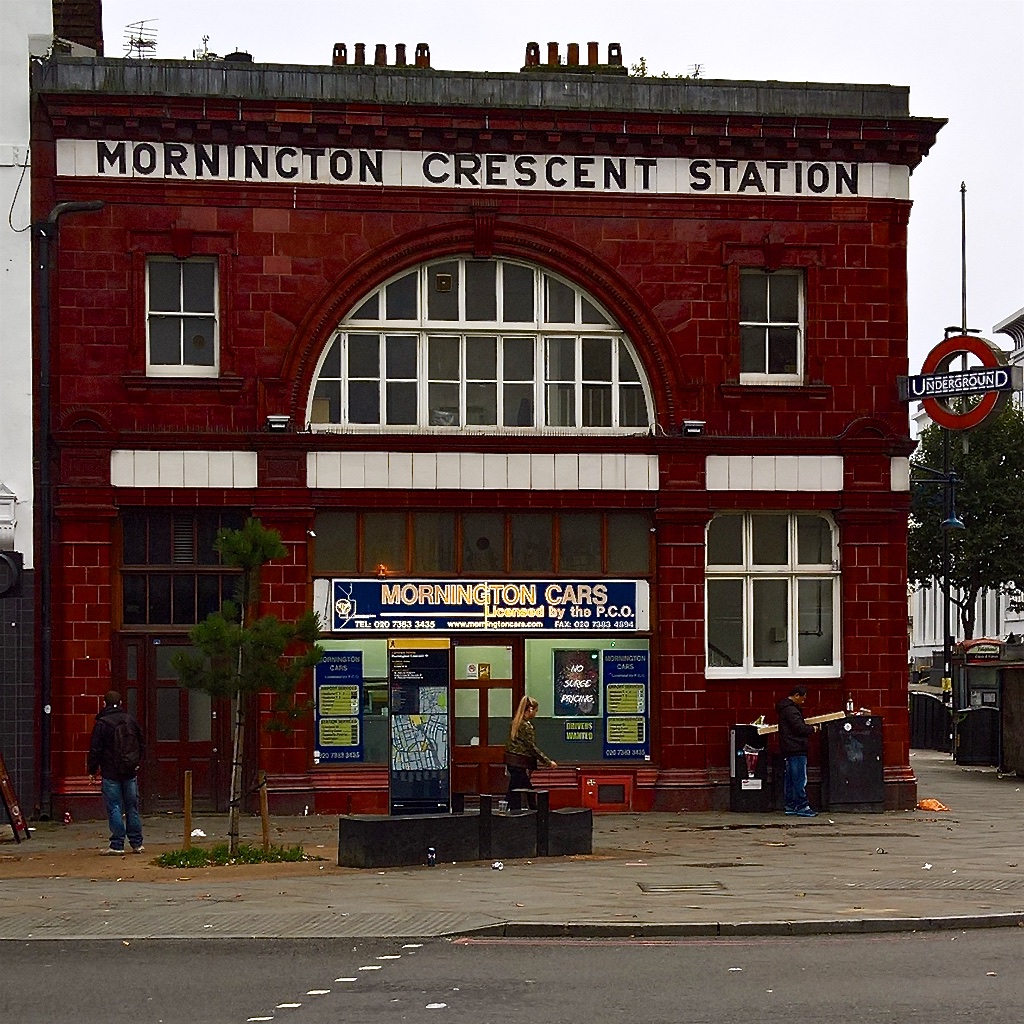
(964, 383)
(321, 165)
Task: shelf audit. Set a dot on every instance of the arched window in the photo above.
(485, 345)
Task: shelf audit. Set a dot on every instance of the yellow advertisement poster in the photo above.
(339, 732)
(626, 698)
(338, 700)
(626, 729)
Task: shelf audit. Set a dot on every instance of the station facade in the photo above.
(587, 382)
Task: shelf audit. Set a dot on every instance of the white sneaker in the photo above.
(138, 849)
(111, 852)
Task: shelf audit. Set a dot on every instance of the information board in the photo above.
(626, 681)
(418, 677)
(576, 676)
(338, 711)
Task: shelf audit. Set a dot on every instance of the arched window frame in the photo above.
(613, 398)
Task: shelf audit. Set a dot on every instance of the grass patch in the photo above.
(218, 856)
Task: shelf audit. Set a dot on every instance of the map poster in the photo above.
(575, 683)
(338, 707)
(418, 678)
(626, 679)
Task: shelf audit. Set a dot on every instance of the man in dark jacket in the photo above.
(117, 741)
(793, 734)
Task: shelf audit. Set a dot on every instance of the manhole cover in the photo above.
(704, 888)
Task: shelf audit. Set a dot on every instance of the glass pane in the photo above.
(482, 404)
(784, 296)
(433, 542)
(336, 547)
(770, 540)
(590, 314)
(400, 358)
(369, 310)
(561, 359)
(483, 542)
(813, 540)
(782, 346)
(467, 718)
(725, 623)
(517, 293)
(400, 298)
(384, 541)
(753, 297)
(443, 291)
(207, 596)
(206, 539)
(518, 406)
(725, 540)
(131, 668)
(561, 405)
(400, 404)
(183, 595)
(627, 365)
(579, 542)
(332, 361)
(363, 402)
(159, 603)
(197, 281)
(597, 359)
(597, 405)
(532, 547)
(200, 718)
(164, 286)
(499, 715)
(165, 341)
(481, 291)
(443, 359)
(199, 343)
(326, 404)
(517, 358)
(629, 543)
(364, 355)
(771, 622)
(133, 597)
(632, 406)
(561, 302)
(159, 538)
(133, 533)
(752, 342)
(474, 661)
(481, 359)
(443, 403)
(168, 716)
(814, 621)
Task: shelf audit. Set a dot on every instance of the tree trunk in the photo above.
(236, 775)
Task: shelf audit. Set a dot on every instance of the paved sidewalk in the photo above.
(656, 874)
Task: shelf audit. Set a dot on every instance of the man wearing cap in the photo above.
(793, 734)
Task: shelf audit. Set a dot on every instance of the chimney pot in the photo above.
(380, 56)
(340, 54)
(615, 54)
(573, 56)
(592, 58)
(360, 57)
(532, 55)
(553, 55)
(422, 55)
(400, 60)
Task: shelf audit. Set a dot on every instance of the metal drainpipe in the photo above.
(46, 234)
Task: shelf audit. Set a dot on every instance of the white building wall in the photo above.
(26, 27)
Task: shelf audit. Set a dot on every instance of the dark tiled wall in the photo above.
(18, 691)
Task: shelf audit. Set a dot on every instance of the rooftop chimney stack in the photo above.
(592, 58)
(380, 56)
(400, 61)
(532, 55)
(360, 59)
(572, 63)
(573, 56)
(422, 55)
(553, 59)
(340, 54)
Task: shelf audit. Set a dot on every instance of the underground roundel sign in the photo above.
(942, 393)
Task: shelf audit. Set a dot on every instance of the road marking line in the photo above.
(318, 992)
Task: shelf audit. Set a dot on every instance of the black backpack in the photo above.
(126, 749)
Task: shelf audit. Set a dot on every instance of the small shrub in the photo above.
(218, 856)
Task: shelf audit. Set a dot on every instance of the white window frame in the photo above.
(538, 331)
(184, 369)
(747, 377)
(793, 572)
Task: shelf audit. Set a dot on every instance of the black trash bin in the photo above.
(852, 776)
(977, 736)
(748, 770)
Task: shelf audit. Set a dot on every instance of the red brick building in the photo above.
(587, 380)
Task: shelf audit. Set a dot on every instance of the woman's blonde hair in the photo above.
(517, 719)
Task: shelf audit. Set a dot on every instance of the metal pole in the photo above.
(963, 256)
(947, 637)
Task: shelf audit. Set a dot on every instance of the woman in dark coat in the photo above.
(521, 751)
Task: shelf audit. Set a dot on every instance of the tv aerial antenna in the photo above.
(140, 38)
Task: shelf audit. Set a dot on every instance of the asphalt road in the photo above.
(943, 978)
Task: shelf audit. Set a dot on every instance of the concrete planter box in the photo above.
(570, 831)
(383, 841)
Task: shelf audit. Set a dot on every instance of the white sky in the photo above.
(962, 59)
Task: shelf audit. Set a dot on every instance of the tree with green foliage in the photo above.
(236, 654)
(988, 554)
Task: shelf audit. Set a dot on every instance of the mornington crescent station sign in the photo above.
(328, 166)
